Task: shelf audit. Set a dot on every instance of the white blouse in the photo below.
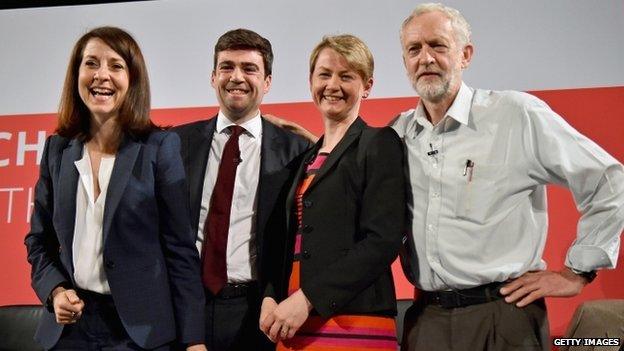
(88, 243)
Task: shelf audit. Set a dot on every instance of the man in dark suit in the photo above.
(236, 165)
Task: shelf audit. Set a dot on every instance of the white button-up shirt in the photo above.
(241, 251)
(478, 195)
(88, 245)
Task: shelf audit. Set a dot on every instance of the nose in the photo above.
(426, 56)
(101, 73)
(333, 82)
(237, 75)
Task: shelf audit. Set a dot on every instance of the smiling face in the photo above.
(240, 83)
(337, 89)
(103, 80)
(433, 57)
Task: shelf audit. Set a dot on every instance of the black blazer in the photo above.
(150, 259)
(279, 148)
(353, 218)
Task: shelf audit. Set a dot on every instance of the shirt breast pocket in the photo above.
(479, 191)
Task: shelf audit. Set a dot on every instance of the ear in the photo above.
(213, 78)
(368, 85)
(267, 83)
(467, 55)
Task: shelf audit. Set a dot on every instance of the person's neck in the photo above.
(105, 136)
(334, 131)
(242, 118)
(436, 110)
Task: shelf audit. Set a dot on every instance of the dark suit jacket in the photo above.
(353, 217)
(279, 149)
(150, 257)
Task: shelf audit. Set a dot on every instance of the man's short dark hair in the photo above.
(245, 39)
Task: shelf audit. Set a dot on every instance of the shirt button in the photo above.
(110, 264)
(306, 254)
(333, 305)
(307, 203)
(436, 195)
(430, 227)
(435, 164)
(307, 228)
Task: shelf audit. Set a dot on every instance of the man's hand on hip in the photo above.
(535, 285)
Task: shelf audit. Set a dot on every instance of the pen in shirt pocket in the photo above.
(468, 169)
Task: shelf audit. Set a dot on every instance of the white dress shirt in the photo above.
(241, 250)
(478, 200)
(88, 245)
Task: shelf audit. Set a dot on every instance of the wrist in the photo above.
(308, 303)
(588, 277)
(49, 303)
(56, 291)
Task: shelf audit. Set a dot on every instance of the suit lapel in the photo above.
(124, 163)
(350, 136)
(67, 187)
(198, 148)
(269, 182)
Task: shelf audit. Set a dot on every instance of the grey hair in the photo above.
(459, 23)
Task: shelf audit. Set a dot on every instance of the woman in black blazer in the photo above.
(332, 277)
(111, 247)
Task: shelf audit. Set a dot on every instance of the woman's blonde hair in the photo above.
(352, 49)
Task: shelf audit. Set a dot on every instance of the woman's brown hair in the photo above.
(74, 117)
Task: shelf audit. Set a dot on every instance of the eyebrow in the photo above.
(350, 70)
(115, 59)
(232, 63)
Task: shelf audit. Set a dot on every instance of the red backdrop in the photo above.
(594, 112)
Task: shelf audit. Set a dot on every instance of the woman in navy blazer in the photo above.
(331, 271)
(111, 247)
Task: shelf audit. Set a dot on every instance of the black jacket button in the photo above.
(110, 264)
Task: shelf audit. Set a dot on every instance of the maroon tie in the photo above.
(214, 268)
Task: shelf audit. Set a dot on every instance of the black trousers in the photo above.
(491, 326)
(232, 323)
(98, 329)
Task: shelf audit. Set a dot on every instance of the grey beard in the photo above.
(432, 92)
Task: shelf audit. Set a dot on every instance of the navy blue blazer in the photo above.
(150, 258)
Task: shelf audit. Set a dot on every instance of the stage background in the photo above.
(567, 53)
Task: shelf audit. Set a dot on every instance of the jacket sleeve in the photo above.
(41, 241)
(182, 258)
(381, 223)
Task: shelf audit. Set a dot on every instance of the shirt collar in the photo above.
(253, 127)
(459, 110)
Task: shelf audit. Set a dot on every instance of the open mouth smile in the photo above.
(332, 98)
(101, 93)
(237, 91)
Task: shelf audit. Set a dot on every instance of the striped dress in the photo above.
(340, 332)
